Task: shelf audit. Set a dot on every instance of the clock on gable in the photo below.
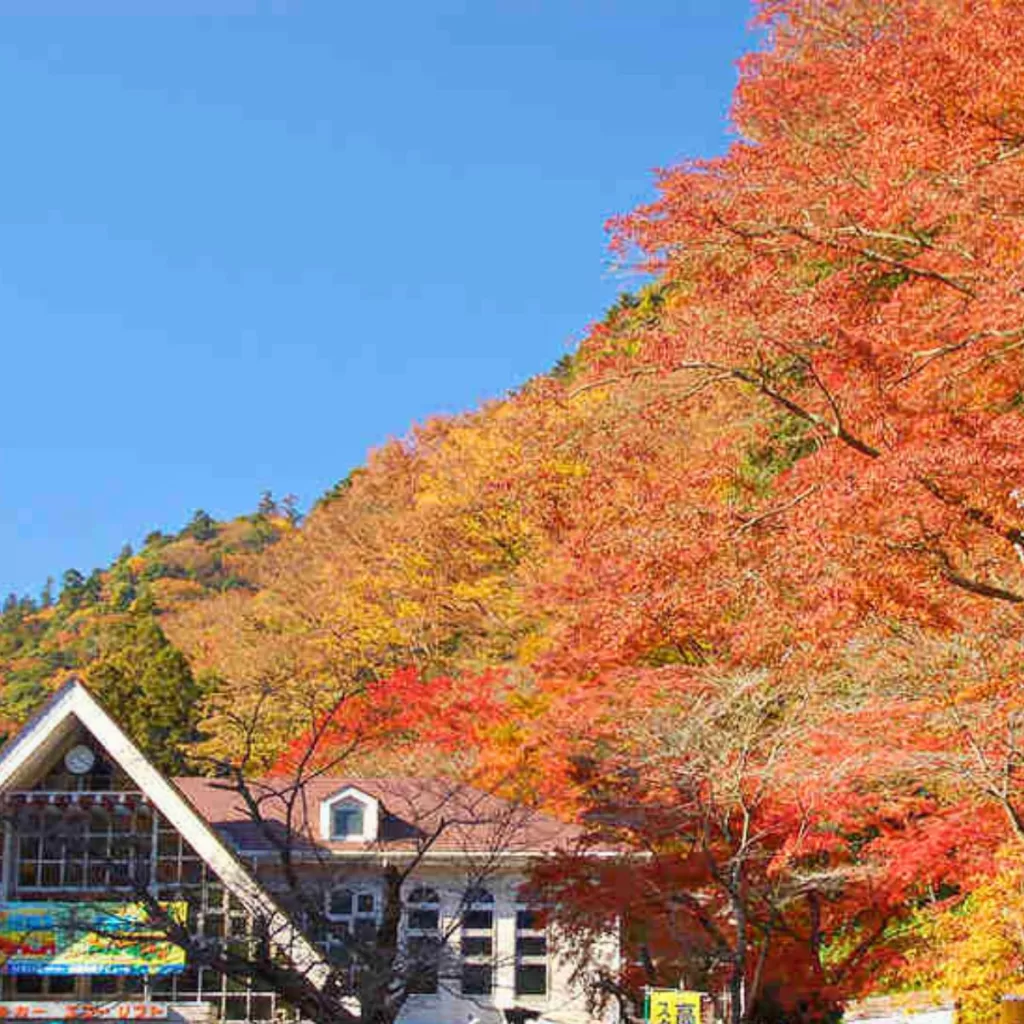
(79, 759)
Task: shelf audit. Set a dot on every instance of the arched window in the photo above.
(477, 942)
(424, 909)
(423, 940)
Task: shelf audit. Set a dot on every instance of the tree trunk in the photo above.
(737, 983)
(379, 1000)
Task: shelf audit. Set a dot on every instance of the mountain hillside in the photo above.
(109, 623)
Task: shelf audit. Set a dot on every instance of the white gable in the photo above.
(25, 757)
(350, 796)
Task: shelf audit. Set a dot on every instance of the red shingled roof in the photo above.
(466, 820)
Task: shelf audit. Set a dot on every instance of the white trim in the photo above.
(384, 855)
(531, 959)
(74, 701)
(371, 816)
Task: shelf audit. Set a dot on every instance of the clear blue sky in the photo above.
(236, 252)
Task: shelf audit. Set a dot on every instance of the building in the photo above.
(104, 859)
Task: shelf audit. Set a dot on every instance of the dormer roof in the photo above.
(367, 816)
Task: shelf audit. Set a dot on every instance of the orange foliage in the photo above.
(744, 591)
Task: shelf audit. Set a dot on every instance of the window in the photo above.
(104, 985)
(50, 986)
(355, 911)
(477, 979)
(347, 821)
(349, 815)
(477, 942)
(531, 953)
(82, 847)
(424, 910)
(423, 940)
(28, 984)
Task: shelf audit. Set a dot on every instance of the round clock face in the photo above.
(78, 760)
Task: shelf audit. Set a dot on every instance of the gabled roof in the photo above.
(26, 755)
(464, 820)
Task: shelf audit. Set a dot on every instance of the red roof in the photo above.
(415, 814)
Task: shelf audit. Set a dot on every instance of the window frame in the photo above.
(83, 848)
(354, 914)
(478, 900)
(528, 929)
(423, 899)
(348, 808)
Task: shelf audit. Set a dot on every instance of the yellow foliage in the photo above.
(976, 949)
(428, 558)
(168, 591)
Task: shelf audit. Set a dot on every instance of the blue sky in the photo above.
(237, 251)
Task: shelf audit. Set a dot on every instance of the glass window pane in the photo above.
(62, 984)
(478, 920)
(531, 945)
(421, 894)
(341, 902)
(476, 945)
(423, 957)
(339, 954)
(424, 920)
(347, 821)
(531, 979)
(366, 903)
(476, 979)
(529, 920)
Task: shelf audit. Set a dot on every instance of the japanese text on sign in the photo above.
(669, 1006)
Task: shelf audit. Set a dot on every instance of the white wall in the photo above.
(564, 1002)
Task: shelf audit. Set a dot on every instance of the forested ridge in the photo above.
(106, 626)
(739, 583)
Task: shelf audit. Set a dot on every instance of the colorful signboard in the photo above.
(671, 1006)
(86, 938)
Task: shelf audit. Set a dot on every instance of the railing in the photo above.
(128, 798)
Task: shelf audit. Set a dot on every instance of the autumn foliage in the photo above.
(746, 574)
(741, 584)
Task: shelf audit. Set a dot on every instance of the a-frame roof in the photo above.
(25, 756)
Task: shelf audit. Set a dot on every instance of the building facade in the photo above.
(128, 895)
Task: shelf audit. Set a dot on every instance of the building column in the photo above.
(7, 879)
(504, 948)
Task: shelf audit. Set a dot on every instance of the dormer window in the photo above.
(349, 816)
(347, 820)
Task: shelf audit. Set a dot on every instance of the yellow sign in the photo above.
(669, 1006)
(86, 938)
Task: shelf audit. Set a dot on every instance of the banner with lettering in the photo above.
(87, 938)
